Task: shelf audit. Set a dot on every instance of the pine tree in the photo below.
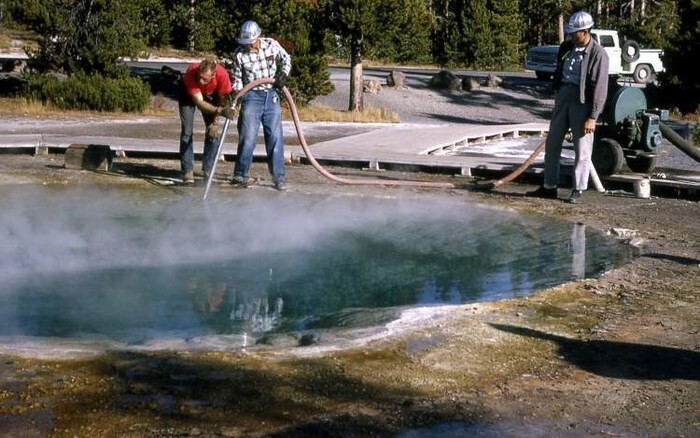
(86, 35)
(353, 20)
(404, 33)
(506, 28)
(480, 45)
(444, 19)
(684, 48)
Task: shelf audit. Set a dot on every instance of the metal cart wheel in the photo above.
(607, 157)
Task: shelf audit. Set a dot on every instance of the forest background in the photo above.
(88, 37)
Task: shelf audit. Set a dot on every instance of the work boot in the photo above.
(243, 182)
(575, 197)
(188, 177)
(543, 192)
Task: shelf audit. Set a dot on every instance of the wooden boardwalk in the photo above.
(425, 147)
(413, 147)
(391, 146)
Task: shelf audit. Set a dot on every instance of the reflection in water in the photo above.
(257, 314)
(578, 248)
(134, 267)
(228, 310)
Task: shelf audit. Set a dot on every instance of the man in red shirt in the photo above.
(205, 85)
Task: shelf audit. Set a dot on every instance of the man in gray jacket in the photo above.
(581, 87)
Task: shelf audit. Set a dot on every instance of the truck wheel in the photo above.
(543, 75)
(643, 74)
(630, 51)
(607, 157)
(641, 164)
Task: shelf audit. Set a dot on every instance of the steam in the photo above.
(58, 230)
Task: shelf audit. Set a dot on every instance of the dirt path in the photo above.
(616, 356)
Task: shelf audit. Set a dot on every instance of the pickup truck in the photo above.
(625, 59)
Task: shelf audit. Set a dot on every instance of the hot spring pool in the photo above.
(138, 267)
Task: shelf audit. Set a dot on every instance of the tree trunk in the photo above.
(560, 27)
(191, 30)
(356, 103)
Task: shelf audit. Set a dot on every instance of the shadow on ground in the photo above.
(305, 397)
(620, 360)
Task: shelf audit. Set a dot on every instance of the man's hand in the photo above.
(213, 130)
(227, 112)
(589, 126)
(280, 80)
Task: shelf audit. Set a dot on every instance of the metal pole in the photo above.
(210, 177)
(596, 180)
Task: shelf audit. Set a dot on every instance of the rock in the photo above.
(371, 86)
(494, 81)
(88, 156)
(396, 79)
(308, 339)
(469, 84)
(445, 80)
(622, 232)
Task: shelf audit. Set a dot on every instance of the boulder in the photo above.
(396, 79)
(445, 80)
(494, 81)
(469, 84)
(371, 86)
(88, 156)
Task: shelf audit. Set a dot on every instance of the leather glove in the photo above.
(213, 130)
(227, 112)
(280, 80)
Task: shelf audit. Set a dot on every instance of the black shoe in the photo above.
(281, 186)
(575, 197)
(543, 192)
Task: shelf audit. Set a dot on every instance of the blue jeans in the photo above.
(187, 109)
(260, 106)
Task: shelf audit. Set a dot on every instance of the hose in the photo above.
(520, 169)
(375, 181)
(685, 146)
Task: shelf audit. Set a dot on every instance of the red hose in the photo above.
(514, 174)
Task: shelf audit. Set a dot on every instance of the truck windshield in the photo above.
(607, 41)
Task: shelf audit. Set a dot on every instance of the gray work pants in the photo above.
(569, 113)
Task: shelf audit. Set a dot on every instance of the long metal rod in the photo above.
(210, 177)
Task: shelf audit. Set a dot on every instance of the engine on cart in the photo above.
(627, 132)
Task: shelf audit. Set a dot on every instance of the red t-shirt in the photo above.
(219, 84)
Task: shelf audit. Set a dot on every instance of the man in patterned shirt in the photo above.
(257, 58)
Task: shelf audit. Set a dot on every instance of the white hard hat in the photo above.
(250, 31)
(579, 21)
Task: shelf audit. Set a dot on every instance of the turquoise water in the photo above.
(133, 266)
